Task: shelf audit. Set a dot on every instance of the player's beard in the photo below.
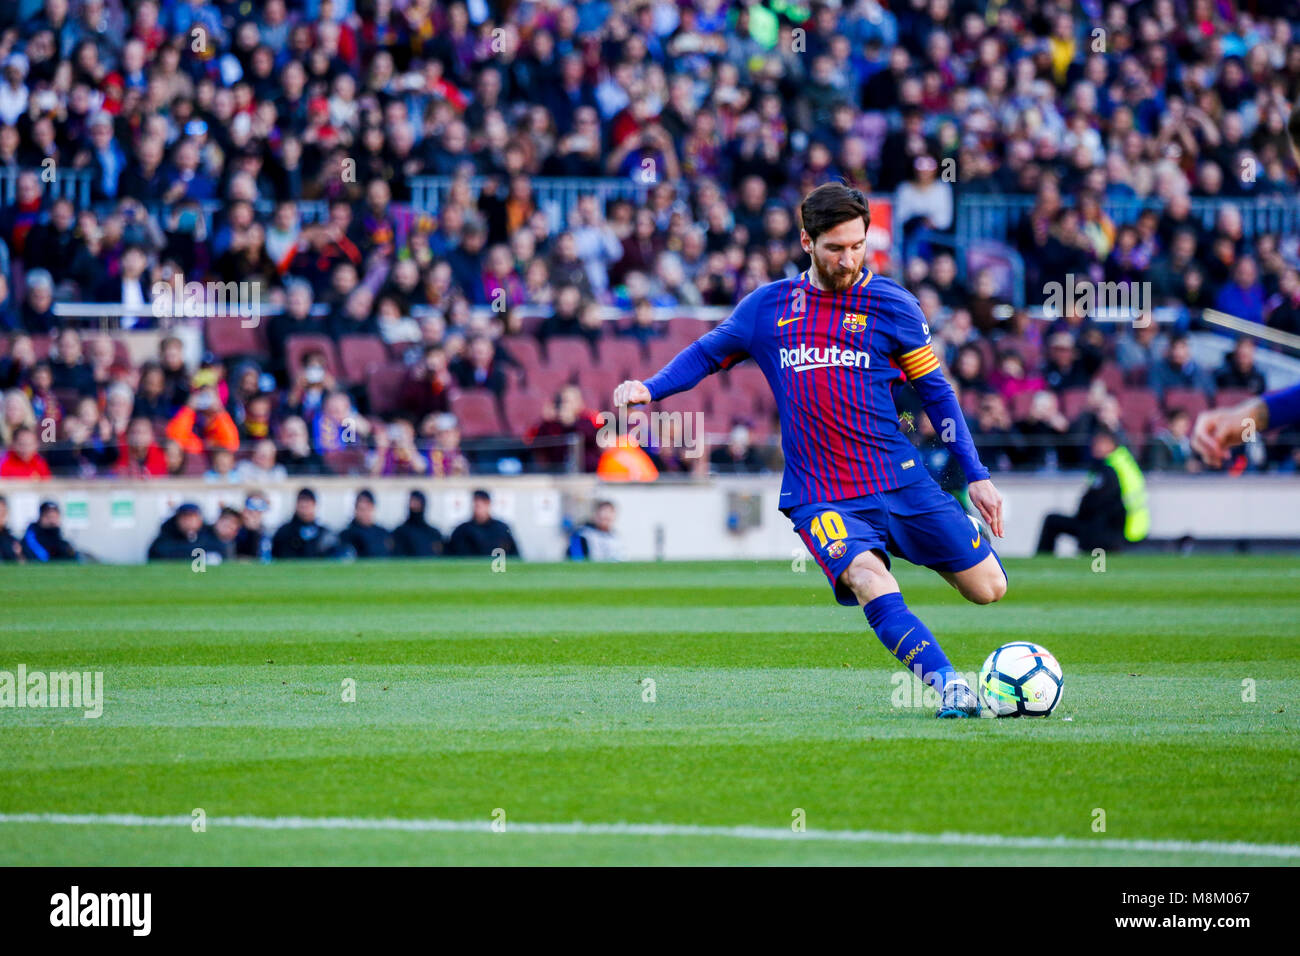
(837, 281)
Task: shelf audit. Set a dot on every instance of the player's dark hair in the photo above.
(831, 204)
(365, 494)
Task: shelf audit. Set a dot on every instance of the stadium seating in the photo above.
(360, 355)
(476, 410)
(228, 337)
(1190, 400)
(384, 387)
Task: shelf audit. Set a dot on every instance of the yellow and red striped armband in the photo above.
(918, 362)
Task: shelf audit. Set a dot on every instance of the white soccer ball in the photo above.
(1021, 680)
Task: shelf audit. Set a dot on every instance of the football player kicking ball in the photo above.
(831, 343)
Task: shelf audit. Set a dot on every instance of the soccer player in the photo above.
(831, 343)
(1220, 429)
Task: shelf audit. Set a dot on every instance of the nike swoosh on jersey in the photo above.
(976, 542)
(781, 322)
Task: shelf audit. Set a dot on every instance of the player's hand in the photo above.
(631, 393)
(1219, 430)
(988, 501)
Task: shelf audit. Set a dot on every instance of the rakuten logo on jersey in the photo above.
(801, 358)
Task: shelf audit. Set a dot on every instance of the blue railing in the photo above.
(55, 183)
(996, 217)
(556, 196)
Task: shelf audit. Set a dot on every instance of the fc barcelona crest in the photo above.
(837, 549)
(853, 322)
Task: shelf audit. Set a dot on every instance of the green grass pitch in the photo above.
(524, 691)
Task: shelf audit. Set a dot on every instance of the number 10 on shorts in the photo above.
(829, 529)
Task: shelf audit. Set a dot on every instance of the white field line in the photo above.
(993, 841)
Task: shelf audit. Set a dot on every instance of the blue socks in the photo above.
(909, 640)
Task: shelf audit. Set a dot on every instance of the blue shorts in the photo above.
(919, 522)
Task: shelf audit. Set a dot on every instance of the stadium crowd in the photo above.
(278, 143)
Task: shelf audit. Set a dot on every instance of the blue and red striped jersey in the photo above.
(831, 360)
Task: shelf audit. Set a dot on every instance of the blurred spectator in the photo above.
(296, 453)
(366, 538)
(482, 535)
(171, 359)
(968, 372)
(597, 540)
(998, 445)
(1011, 378)
(1041, 432)
(643, 326)
(415, 537)
(184, 534)
(303, 536)
(428, 384)
(143, 458)
(40, 390)
(1139, 348)
(221, 468)
(1239, 370)
(151, 399)
(262, 467)
(252, 540)
(44, 539)
(1101, 411)
(37, 313)
(1244, 295)
(311, 384)
(1066, 367)
(565, 318)
(566, 423)
(23, 460)
(479, 368)
(925, 201)
(256, 418)
(203, 422)
(70, 370)
(226, 529)
(1171, 446)
(1179, 370)
(177, 458)
(395, 452)
(338, 426)
(738, 456)
(445, 456)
